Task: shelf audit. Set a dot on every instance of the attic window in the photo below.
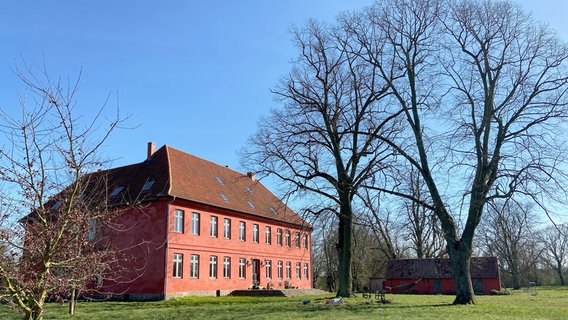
(116, 191)
(249, 189)
(251, 204)
(147, 185)
(224, 197)
(220, 180)
(56, 205)
(273, 210)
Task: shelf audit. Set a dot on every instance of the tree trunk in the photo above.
(460, 256)
(72, 302)
(344, 252)
(559, 271)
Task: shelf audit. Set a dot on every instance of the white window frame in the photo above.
(195, 217)
(213, 267)
(227, 228)
(279, 237)
(179, 216)
(194, 266)
(280, 270)
(242, 268)
(227, 267)
(213, 226)
(267, 237)
(255, 233)
(242, 231)
(177, 266)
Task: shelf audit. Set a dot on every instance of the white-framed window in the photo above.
(288, 270)
(255, 233)
(213, 226)
(305, 240)
(226, 267)
(242, 231)
(280, 274)
(306, 271)
(279, 236)
(288, 238)
(242, 268)
(268, 236)
(178, 265)
(92, 231)
(268, 265)
(298, 270)
(212, 266)
(194, 266)
(227, 228)
(297, 240)
(178, 221)
(195, 223)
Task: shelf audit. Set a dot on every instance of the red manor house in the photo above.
(206, 229)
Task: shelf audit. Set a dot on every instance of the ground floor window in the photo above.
(194, 266)
(280, 270)
(178, 265)
(242, 268)
(212, 266)
(288, 270)
(298, 270)
(306, 271)
(227, 267)
(268, 269)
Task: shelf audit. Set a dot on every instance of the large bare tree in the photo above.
(52, 211)
(554, 240)
(321, 139)
(483, 90)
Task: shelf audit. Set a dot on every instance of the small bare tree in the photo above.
(53, 212)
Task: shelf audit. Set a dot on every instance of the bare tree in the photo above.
(483, 90)
(508, 232)
(322, 140)
(52, 210)
(555, 244)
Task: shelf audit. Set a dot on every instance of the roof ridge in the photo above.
(201, 158)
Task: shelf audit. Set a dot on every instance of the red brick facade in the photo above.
(201, 228)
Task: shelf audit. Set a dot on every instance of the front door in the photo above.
(255, 272)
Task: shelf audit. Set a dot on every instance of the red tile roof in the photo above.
(179, 174)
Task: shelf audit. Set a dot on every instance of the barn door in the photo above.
(478, 286)
(437, 286)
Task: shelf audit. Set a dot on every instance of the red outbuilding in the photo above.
(435, 276)
(202, 229)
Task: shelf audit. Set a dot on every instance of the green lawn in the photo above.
(547, 303)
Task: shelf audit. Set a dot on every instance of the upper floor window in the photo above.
(227, 228)
(213, 226)
(268, 238)
(255, 233)
(178, 221)
(288, 238)
(305, 240)
(195, 223)
(279, 236)
(297, 240)
(242, 231)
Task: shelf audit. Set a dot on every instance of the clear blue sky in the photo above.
(195, 75)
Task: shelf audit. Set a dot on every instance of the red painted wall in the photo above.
(205, 246)
(446, 286)
(147, 234)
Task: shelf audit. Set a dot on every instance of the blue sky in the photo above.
(195, 75)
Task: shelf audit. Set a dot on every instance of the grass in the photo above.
(547, 303)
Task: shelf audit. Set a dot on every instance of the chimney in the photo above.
(151, 149)
(251, 175)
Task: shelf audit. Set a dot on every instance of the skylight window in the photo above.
(224, 197)
(249, 189)
(251, 204)
(147, 185)
(56, 205)
(116, 191)
(220, 180)
(273, 210)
